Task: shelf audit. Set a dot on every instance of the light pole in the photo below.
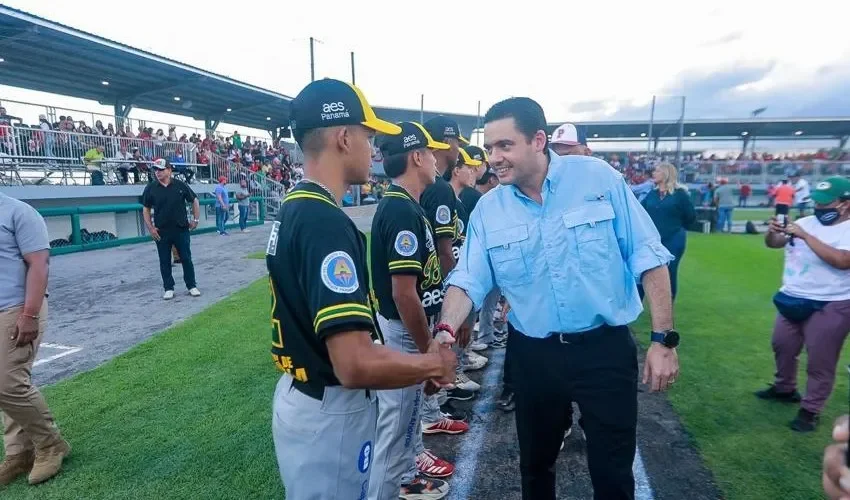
(754, 114)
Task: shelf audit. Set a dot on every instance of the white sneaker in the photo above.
(168, 295)
(194, 292)
(566, 435)
(473, 361)
(466, 383)
(477, 346)
(246, 230)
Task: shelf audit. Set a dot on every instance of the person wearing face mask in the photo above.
(814, 300)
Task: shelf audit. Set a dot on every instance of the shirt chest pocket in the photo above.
(504, 247)
(591, 226)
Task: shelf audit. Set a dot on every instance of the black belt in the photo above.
(314, 392)
(309, 390)
(580, 338)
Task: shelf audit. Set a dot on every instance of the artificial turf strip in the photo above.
(725, 315)
(187, 414)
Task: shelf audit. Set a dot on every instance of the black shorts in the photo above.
(781, 209)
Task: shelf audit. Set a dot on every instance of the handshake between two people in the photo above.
(444, 338)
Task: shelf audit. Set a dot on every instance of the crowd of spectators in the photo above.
(132, 151)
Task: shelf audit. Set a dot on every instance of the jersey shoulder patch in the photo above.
(406, 243)
(271, 247)
(338, 273)
(443, 215)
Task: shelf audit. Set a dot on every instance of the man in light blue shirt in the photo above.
(565, 240)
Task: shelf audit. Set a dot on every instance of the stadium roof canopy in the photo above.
(702, 130)
(43, 55)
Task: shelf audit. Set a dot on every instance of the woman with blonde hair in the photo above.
(670, 208)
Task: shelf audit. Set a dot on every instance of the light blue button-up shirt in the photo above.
(568, 265)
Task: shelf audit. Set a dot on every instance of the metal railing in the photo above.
(259, 184)
(30, 109)
(760, 172)
(34, 156)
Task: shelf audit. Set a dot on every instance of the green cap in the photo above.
(831, 189)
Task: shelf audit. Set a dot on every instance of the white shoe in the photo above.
(466, 384)
(473, 362)
(566, 435)
(194, 292)
(246, 230)
(477, 346)
(168, 295)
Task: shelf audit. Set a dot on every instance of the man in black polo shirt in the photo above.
(168, 197)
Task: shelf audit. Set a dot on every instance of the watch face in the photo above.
(671, 339)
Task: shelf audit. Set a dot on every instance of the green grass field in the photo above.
(725, 315)
(187, 413)
(754, 214)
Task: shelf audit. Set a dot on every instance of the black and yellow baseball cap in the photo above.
(413, 136)
(467, 160)
(476, 153)
(831, 189)
(331, 103)
(442, 127)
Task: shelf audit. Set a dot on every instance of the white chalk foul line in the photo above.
(66, 351)
(466, 463)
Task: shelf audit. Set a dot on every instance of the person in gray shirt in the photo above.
(724, 199)
(244, 203)
(32, 442)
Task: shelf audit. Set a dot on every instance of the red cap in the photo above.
(222, 179)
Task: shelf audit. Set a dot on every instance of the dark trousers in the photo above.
(598, 370)
(179, 238)
(676, 245)
(243, 217)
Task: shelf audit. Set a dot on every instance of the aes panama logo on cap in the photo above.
(334, 111)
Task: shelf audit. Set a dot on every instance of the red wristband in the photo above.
(446, 328)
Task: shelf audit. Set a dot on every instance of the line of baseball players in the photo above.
(369, 369)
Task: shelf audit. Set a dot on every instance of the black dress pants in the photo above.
(598, 371)
(179, 238)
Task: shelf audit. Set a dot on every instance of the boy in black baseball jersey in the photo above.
(408, 288)
(324, 336)
(440, 205)
(469, 196)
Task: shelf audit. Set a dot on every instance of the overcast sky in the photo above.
(599, 60)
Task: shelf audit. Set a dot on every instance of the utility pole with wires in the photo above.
(312, 62)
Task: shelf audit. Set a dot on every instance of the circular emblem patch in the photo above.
(406, 243)
(339, 274)
(460, 227)
(823, 186)
(365, 458)
(444, 215)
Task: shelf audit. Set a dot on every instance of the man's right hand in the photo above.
(155, 234)
(835, 471)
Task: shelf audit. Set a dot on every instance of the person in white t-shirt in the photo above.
(814, 300)
(802, 194)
